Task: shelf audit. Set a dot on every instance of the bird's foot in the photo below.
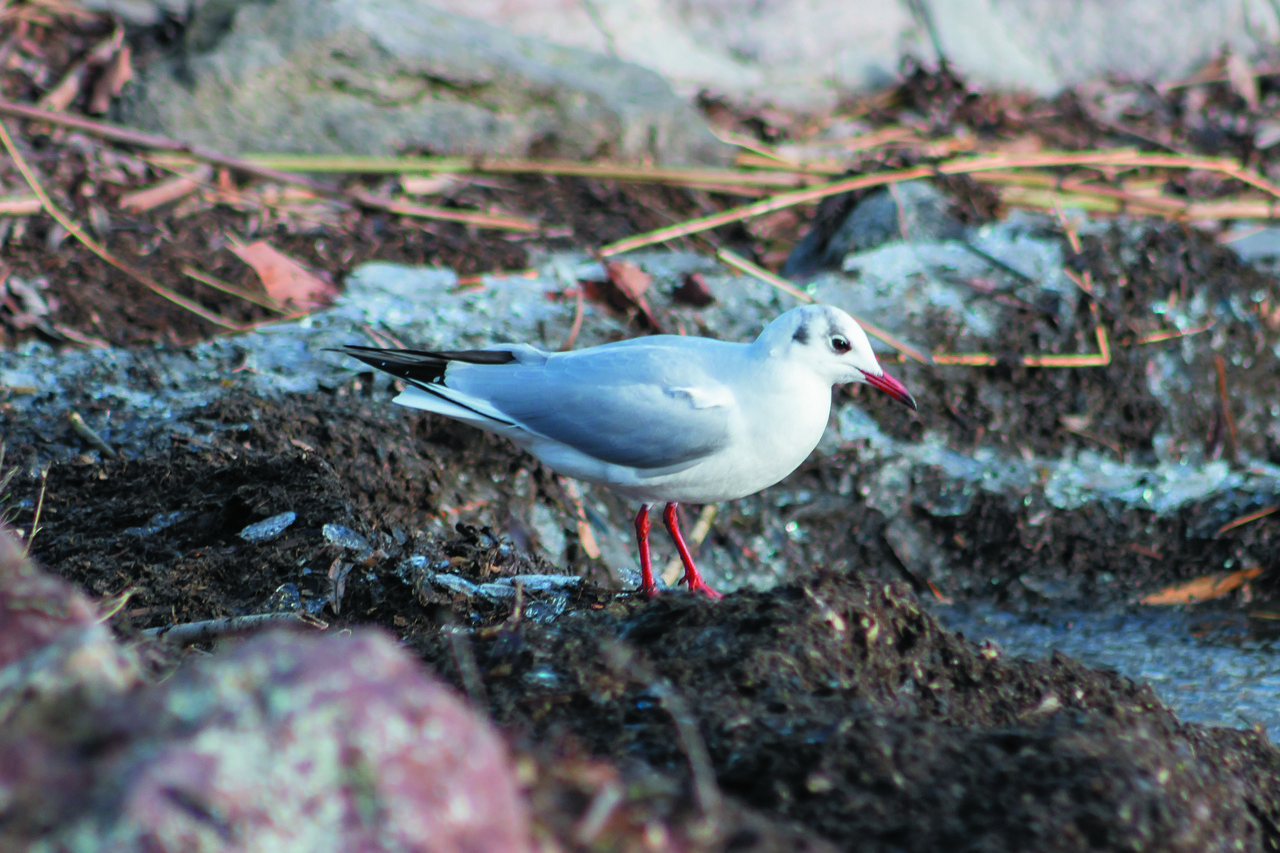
(697, 584)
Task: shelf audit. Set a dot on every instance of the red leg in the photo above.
(647, 584)
(691, 576)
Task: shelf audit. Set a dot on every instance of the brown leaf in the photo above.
(1243, 81)
(694, 291)
(632, 282)
(60, 97)
(1204, 588)
(285, 279)
(118, 72)
(628, 278)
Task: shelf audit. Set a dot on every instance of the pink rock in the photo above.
(313, 743)
(35, 606)
(287, 742)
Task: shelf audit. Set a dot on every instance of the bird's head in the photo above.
(831, 343)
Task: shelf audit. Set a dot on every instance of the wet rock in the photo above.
(914, 211)
(159, 522)
(345, 537)
(915, 548)
(268, 528)
(340, 76)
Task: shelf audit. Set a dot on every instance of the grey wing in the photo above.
(644, 407)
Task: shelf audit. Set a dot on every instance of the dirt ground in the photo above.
(830, 713)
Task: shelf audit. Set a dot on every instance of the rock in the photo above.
(287, 742)
(51, 641)
(807, 53)
(344, 76)
(390, 757)
(35, 607)
(913, 211)
(140, 13)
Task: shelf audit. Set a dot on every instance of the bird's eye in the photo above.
(840, 344)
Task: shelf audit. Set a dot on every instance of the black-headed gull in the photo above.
(663, 419)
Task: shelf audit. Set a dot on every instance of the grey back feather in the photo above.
(626, 403)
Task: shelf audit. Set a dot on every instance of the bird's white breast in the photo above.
(778, 420)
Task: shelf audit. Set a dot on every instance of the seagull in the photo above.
(665, 419)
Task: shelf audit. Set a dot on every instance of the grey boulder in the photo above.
(351, 77)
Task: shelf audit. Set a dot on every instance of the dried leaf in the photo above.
(166, 191)
(779, 225)
(631, 283)
(338, 572)
(118, 72)
(430, 184)
(60, 97)
(1204, 588)
(694, 291)
(285, 279)
(629, 278)
(1243, 81)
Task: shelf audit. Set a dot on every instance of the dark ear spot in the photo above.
(801, 335)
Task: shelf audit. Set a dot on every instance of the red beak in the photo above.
(892, 387)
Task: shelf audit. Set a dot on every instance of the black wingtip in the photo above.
(421, 366)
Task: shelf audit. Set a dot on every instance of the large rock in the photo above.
(810, 52)
(346, 76)
(288, 742)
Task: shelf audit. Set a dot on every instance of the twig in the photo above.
(112, 606)
(586, 538)
(578, 310)
(982, 359)
(209, 630)
(249, 167)
(1110, 445)
(35, 519)
(1157, 337)
(477, 280)
(158, 143)
(747, 143)
(505, 166)
(769, 205)
(1225, 401)
(423, 211)
(86, 432)
(261, 300)
(741, 264)
(1246, 519)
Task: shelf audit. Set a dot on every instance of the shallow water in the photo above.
(1209, 667)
